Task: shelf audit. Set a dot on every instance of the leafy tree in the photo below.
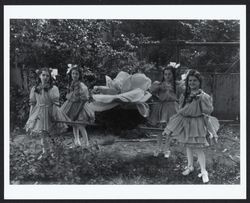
(104, 47)
(93, 44)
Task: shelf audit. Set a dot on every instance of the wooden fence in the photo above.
(225, 90)
(223, 87)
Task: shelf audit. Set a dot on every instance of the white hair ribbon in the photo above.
(54, 73)
(70, 66)
(174, 64)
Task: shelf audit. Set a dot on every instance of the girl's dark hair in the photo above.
(80, 71)
(172, 69)
(196, 74)
(38, 81)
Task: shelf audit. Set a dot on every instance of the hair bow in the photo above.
(54, 73)
(184, 75)
(175, 65)
(37, 71)
(70, 66)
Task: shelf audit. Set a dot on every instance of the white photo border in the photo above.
(166, 12)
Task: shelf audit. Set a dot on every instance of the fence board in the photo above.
(227, 95)
(225, 90)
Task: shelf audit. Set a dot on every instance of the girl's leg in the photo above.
(202, 162)
(167, 151)
(84, 135)
(45, 142)
(45, 146)
(76, 136)
(159, 143)
(190, 158)
(166, 145)
(42, 143)
(43, 149)
(201, 159)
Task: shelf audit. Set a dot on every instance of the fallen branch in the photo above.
(137, 140)
(226, 121)
(234, 124)
(76, 123)
(151, 128)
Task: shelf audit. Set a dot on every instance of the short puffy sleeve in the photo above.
(84, 92)
(206, 103)
(54, 94)
(32, 100)
(155, 87)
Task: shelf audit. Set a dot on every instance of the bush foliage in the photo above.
(105, 47)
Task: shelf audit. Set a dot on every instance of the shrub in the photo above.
(19, 107)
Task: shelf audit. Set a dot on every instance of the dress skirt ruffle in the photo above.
(192, 125)
(42, 119)
(189, 131)
(161, 112)
(78, 111)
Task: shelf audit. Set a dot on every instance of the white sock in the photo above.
(84, 135)
(190, 157)
(201, 159)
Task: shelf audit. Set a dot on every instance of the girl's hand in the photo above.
(96, 90)
(164, 87)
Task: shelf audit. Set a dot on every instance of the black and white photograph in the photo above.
(145, 103)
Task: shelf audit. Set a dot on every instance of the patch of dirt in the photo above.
(137, 165)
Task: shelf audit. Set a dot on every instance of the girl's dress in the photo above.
(76, 106)
(45, 111)
(193, 123)
(166, 103)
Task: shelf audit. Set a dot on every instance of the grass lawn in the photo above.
(111, 159)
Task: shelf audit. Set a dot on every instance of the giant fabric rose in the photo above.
(124, 89)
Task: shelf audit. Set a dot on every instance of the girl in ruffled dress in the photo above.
(193, 125)
(44, 107)
(75, 107)
(165, 107)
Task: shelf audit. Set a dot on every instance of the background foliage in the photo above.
(104, 47)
